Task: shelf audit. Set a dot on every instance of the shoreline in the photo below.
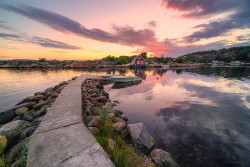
(28, 113)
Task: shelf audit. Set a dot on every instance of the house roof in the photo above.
(138, 56)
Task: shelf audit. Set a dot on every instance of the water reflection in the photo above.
(119, 85)
(202, 118)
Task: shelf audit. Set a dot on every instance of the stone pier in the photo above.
(61, 139)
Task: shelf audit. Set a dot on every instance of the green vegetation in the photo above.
(226, 54)
(120, 154)
(2, 163)
(42, 60)
(23, 155)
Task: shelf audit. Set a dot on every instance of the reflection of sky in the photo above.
(204, 111)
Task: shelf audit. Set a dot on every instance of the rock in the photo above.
(117, 119)
(96, 121)
(49, 89)
(111, 144)
(12, 130)
(109, 104)
(119, 127)
(162, 158)
(141, 139)
(124, 134)
(14, 152)
(98, 104)
(22, 111)
(112, 116)
(34, 98)
(118, 112)
(95, 110)
(40, 93)
(108, 109)
(27, 117)
(9, 114)
(39, 113)
(105, 94)
(42, 103)
(6, 116)
(73, 78)
(125, 118)
(16, 118)
(3, 144)
(94, 130)
(54, 95)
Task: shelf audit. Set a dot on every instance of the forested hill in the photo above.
(226, 54)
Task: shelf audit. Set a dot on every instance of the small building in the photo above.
(138, 60)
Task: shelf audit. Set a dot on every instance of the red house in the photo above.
(138, 60)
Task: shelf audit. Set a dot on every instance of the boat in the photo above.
(119, 85)
(125, 78)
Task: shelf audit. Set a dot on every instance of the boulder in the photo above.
(27, 117)
(42, 103)
(108, 109)
(124, 134)
(118, 112)
(125, 118)
(16, 118)
(21, 111)
(112, 116)
(96, 121)
(117, 119)
(94, 130)
(109, 104)
(6, 116)
(9, 114)
(3, 144)
(98, 104)
(35, 98)
(95, 110)
(39, 113)
(14, 153)
(119, 127)
(12, 131)
(140, 137)
(162, 158)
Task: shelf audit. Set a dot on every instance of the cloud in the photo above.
(45, 42)
(59, 51)
(122, 35)
(240, 18)
(200, 8)
(152, 24)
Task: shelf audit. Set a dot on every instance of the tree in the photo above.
(122, 60)
(144, 55)
(180, 59)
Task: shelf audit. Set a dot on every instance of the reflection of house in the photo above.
(138, 60)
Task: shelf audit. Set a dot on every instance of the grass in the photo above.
(120, 154)
(23, 155)
(2, 163)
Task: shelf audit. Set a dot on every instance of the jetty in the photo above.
(62, 139)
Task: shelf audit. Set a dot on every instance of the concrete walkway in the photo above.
(61, 139)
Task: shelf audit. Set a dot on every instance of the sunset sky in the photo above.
(91, 29)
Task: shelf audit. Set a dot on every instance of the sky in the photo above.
(91, 29)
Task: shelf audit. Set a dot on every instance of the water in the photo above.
(200, 115)
(16, 84)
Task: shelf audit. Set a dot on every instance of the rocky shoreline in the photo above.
(98, 111)
(20, 122)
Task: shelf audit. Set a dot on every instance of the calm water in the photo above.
(201, 115)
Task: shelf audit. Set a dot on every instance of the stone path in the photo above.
(61, 139)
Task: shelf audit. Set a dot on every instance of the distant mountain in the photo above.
(226, 54)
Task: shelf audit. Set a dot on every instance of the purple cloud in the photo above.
(122, 35)
(45, 42)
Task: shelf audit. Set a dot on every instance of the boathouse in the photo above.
(138, 62)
